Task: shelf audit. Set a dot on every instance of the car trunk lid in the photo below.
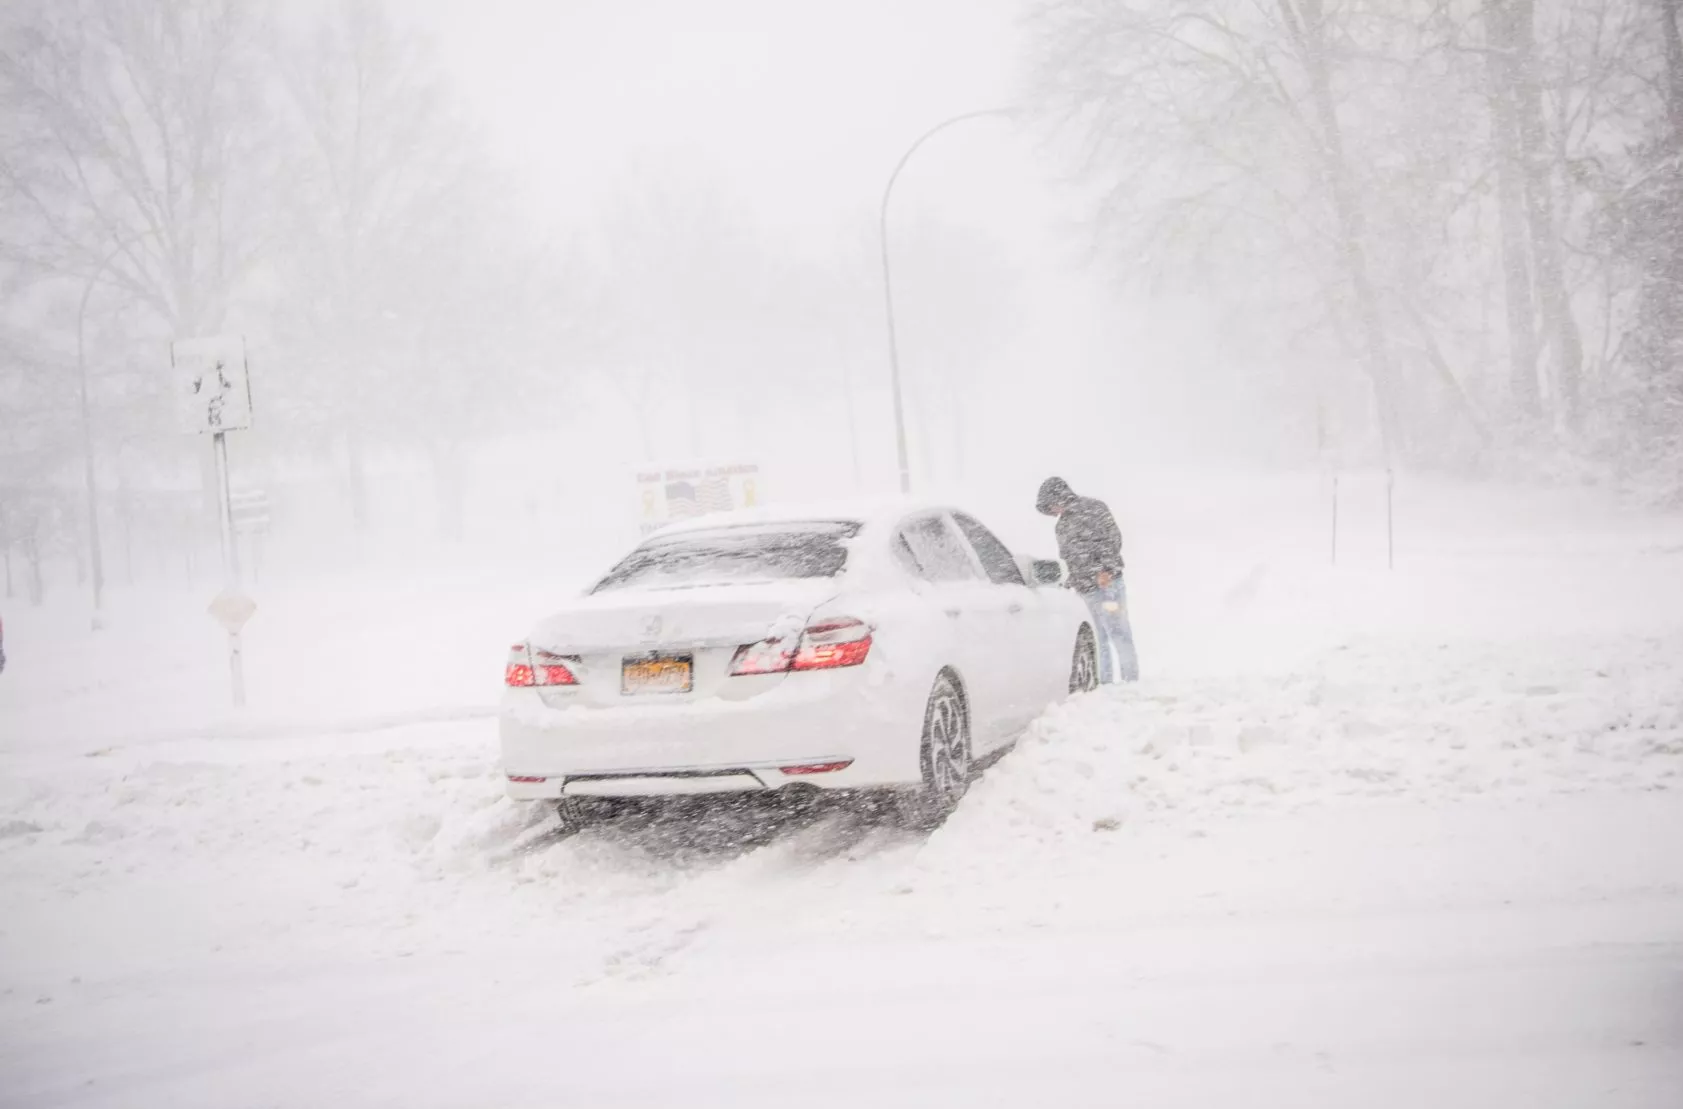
(657, 631)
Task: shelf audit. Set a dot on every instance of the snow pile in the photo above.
(397, 841)
(1374, 720)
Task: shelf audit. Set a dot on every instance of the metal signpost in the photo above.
(215, 398)
(1326, 449)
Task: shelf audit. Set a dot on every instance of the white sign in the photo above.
(214, 389)
(232, 610)
(671, 493)
(250, 509)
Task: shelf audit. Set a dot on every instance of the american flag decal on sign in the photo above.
(681, 503)
(715, 495)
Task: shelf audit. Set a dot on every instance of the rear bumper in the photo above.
(715, 746)
(666, 783)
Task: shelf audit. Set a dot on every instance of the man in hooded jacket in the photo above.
(1090, 543)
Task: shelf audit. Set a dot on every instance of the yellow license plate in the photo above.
(657, 675)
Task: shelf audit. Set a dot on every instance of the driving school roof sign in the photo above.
(213, 388)
(673, 493)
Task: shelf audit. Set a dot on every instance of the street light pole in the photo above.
(96, 559)
(888, 288)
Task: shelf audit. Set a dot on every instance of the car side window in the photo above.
(904, 556)
(936, 551)
(996, 557)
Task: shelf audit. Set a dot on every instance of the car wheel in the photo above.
(945, 756)
(578, 813)
(1084, 670)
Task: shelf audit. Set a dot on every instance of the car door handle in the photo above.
(1015, 608)
(955, 613)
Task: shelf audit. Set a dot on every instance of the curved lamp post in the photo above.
(888, 286)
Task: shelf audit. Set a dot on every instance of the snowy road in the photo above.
(1377, 840)
(1385, 952)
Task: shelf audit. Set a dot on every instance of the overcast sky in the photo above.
(798, 109)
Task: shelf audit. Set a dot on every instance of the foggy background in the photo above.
(491, 259)
(1364, 317)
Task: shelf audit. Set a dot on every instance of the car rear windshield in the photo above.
(733, 556)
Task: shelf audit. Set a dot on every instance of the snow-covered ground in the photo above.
(1362, 837)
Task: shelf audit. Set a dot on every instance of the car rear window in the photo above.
(738, 555)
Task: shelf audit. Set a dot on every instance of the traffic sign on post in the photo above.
(215, 398)
(213, 388)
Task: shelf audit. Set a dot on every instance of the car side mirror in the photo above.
(1048, 571)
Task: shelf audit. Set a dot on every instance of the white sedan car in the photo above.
(889, 649)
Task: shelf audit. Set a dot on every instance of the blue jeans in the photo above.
(1118, 660)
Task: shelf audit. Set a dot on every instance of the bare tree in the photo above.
(139, 159)
(140, 151)
(1549, 275)
(1502, 19)
(386, 167)
(1314, 142)
(1644, 220)
(39, 421)
(1220, 125)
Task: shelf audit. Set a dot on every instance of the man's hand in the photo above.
(1105, 578)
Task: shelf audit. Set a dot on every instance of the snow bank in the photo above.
(410, 831)
(1372, 720)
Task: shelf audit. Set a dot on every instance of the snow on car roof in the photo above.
(871, 513)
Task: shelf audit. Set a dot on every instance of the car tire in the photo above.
(579, 813)
(1084, 668)
(945, 754)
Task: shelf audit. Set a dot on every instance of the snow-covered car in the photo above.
(893, 648)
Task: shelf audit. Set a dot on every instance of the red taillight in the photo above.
(519, 671)
(824, 645)
(818, 767)
(826, 656)
(526, 778)
(836, 641)
(550, 669)
(770, 656)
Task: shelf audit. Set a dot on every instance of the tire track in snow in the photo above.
(681, 875)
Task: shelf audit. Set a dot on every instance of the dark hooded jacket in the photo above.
(1088, 539)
